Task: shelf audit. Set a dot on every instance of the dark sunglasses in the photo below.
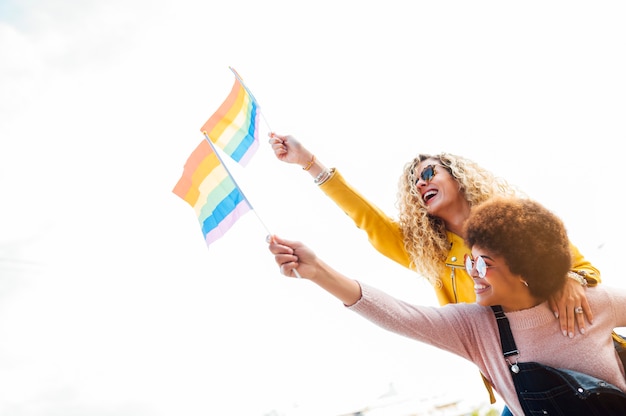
(427, 174)
(478, 263)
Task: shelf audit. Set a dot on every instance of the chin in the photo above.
(432, 209)
(484, 302)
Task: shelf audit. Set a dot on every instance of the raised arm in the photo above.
(383, 232)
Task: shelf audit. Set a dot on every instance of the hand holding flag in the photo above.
(206, 183)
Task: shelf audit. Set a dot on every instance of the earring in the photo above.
(525, 283)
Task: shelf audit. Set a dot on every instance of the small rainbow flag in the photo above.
(211, 191)
(234, 127)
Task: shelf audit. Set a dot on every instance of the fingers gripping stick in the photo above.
(269, 239)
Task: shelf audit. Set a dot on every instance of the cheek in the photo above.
(493, 279)
(448, 184)
(499, 282)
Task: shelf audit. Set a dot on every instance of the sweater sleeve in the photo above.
(384, 234)
(443, 327)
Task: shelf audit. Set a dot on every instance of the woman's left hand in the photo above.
(571, 308)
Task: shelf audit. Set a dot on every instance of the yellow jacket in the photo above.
(385, 235)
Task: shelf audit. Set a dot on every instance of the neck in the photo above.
(456, 221)
(520, 302)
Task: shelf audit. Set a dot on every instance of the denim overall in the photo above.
(543, 390)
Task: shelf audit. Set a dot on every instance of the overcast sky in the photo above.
(111, 303)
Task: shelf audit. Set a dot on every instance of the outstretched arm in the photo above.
(290, 255)
(383, 232)
(446, 328)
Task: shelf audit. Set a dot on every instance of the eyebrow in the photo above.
(433, 164)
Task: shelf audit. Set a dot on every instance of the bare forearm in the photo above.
(343, 288)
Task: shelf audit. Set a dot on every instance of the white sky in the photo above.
(111, 304)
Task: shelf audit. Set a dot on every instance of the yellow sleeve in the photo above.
(592, 275)
(383, 232)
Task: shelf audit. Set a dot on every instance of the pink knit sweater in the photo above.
(470, 331)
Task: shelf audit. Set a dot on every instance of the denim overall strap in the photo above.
(506, 337)
(506, 340)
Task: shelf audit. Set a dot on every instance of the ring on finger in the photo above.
(578, 309)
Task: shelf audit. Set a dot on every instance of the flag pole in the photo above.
(243, 84)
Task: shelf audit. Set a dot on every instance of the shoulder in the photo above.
(473, 313)
(603, 292)
(607, 296)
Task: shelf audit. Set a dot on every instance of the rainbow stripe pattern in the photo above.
(234, 127)
(211, 191)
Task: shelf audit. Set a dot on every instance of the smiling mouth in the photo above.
(479, 287)
(429, 195)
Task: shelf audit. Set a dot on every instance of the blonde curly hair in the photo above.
(425, 238)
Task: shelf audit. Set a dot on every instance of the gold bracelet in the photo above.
(308, 165)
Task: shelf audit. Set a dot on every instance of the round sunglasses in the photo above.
(478, 264)
(427, 174)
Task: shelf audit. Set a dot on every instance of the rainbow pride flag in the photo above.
(234, 127)
(211, 191)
